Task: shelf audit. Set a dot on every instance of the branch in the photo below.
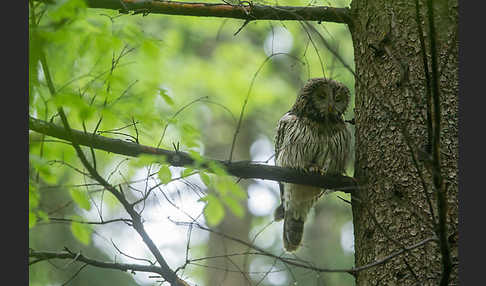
(127, 221)
(46, 255)
(353, 271)
(245, 10)
(438, 180)
(241, 169)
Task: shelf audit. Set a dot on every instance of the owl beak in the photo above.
(330, 108)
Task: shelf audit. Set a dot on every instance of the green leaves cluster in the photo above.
(99, 69)
(35, 213)
(81, 231)
(80, 198)
(223, 193)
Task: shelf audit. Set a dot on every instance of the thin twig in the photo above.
(437, 173)
(129, 256)
(48, 255)
(248, 96)
(127, 221)
(290, 261)
(428, 95)
(75, 274)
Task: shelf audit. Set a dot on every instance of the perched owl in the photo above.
(312, 136)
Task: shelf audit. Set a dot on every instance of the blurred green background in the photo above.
(184, 81)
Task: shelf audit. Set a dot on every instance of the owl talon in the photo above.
(316, 169)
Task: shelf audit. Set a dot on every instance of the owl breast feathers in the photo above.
(312, 136)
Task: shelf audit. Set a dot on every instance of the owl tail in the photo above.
(292, 232)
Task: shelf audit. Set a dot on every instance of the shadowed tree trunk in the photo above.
(391, 211)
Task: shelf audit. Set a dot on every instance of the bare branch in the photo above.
(47, 255)
(75, 274)
(395, 254)
(67, 220)
(243, 11)
(290, 261)
(242, 169)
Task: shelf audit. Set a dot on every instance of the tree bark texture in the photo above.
(391, 211)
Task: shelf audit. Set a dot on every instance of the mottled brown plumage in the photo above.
(312, 136)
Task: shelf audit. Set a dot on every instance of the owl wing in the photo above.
(282, 126)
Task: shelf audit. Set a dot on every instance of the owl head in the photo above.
(322, 99)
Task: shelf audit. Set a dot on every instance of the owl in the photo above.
(311, 137)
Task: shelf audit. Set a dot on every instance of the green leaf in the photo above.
(187, 172)
(33, 196)
(144, 160)
(221, 185)
(216, 168)
(164, 174)
(198, 159)
(166, 97)
(214, 210)
(82, 232)
(150, 50)
(189, 129)
(80, 198)
(66, 9)
(226, 185)
(172, 121)
(77, 105)
(35, 46)
(43, 216)
(234, 206)
(205, 178)
(236, 190)
(42, 166)
(32, 219)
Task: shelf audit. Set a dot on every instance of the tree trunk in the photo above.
(391, 210)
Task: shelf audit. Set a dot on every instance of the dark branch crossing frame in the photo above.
(246, 10)
(241, 169)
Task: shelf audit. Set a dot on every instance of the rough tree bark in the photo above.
(386, 42)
